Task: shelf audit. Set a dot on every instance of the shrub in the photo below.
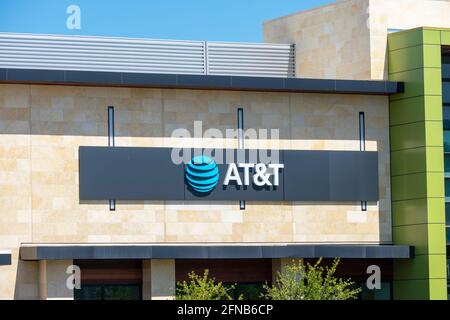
(311, 282)
(202, 288)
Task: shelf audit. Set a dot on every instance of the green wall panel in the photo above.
(412, 38)
(432, 56)
(415, 109)
(433, 108)
(435, 262)
(435, 159)
(425, 266)
(417, 162)
(428, 56)
(409, 212)
(416, 235)
(410, 186)
(408, 161)
(407, 110)
(433, 81)
(436, 208)
(445, 38)
(438, 289)
(418, 185)
(436, 239)
(434, 134)
(418, 82)
(417, 134)
(413, 80)
(406, 136)
(427, 238)
(412, 289)
(420, 289)
(435, 185)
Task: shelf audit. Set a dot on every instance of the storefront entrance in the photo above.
(109, 280)
(244, 277)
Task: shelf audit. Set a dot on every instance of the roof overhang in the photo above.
(200, 82)
(211, 251)
(5, 257)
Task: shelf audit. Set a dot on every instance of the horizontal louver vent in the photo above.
(51, 52)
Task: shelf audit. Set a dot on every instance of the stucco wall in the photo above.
(41, 128)
(348, 39)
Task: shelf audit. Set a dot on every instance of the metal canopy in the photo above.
(5, 257)
(205, 82)
(222, 251)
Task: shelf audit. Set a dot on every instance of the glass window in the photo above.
(446, 140)
(448, 271)
(447, 164)
(447, 214)
(446, 92)
(447, 232)
(446, 57)
(88, 293)
(108, 292)
(446, 71)
(447, 188)
(376, 294)
(125, 292)
(446, 116)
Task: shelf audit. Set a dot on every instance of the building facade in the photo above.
(355, 97)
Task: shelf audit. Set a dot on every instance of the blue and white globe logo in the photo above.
(202, 174)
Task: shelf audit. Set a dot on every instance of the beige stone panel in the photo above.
(17, 281)
(263, 232)
(198, 228)
(348, 39)
(331, 41)
(141, 238)
(192, 215)
(267, 213)
(20, 280)
(315, 222)
(53, 280)
(400, 14)
(162, 279)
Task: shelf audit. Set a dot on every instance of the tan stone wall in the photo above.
(331, 41)
(401, 14)
(348, 39)
(39, 171)
(53, 280)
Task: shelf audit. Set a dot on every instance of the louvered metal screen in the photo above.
(52, 52)
(250, 59)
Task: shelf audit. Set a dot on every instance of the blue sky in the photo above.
(226, 20)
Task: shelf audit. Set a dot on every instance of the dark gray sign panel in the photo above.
(149, 174)
(330, 175)
(129, 174)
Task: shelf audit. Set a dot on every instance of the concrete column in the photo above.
(279, 266)
(146, 280)
(158, 279)
(52, 280)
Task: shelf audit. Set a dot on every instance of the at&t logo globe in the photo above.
(202, 174)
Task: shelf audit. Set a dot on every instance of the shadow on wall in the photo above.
(27, 281)
(141, 112)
